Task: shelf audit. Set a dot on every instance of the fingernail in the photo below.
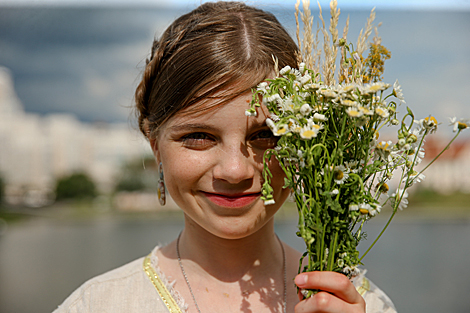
(301, 279)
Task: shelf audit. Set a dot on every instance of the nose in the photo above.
(235, 165)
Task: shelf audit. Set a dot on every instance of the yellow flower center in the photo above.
(308, 133)
(431, 119)
(383, 145)
(354, 113)
(383, 188)
(462, 125)
(338, 175)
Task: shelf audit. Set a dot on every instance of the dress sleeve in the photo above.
(376, 300)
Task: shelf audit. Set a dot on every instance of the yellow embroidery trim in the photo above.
(364, 287)
(161, 289)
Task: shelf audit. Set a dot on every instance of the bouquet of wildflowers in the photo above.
(329, 141)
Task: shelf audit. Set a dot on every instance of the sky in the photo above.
(86, 59)
(414, 4)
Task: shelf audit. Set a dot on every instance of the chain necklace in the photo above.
(284, 305)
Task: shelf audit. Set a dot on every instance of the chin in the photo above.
(233, 228)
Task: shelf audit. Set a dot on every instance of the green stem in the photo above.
(381, 233)
(447, 147)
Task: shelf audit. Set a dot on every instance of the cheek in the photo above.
(182, 169)
(278, 175)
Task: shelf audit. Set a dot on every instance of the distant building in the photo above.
(35, 150)
(451, 172)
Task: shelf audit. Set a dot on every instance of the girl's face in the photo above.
(213, 163)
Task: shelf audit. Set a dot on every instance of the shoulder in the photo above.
(376, 300)
(119, 290)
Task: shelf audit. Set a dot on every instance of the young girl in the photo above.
(191, 106)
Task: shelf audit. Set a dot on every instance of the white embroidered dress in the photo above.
(140, 286)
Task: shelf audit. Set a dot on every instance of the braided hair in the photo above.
(220, 48)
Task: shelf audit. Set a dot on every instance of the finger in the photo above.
(335, 283)
(324, 302)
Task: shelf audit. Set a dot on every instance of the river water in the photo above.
(422, 265)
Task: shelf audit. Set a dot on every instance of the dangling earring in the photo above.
(161, 186)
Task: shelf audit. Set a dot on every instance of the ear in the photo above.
(152, 140)
(154, 146)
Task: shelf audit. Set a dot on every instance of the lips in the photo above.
(232, 201)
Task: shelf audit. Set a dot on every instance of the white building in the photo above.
(451, 172)
(35, 150)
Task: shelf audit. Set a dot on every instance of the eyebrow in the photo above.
(191, 126)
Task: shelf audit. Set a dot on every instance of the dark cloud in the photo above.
(86, 61)
(57, 54)
(77, 27)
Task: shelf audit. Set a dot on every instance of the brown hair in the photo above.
(221, 46)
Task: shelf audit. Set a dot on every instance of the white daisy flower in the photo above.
(319, 117)
(287, 105)
(273, 98)
(348, 102)
(354, 112)
(280, 130)
(340, 174)
(340, 262)
(459, 124)
(414, 177)
(305, 79)
(334, 192)
(294, 126)
(270, 123)
(347, 88)
(364, 110)
(375, 209)
(328, 93)
(351, 270)
(269, 202)
(429, 123)
(262, 87)
(305, 109)
(403, 194)
(353, 207)
(364, 208)
(310, 131)
(352, 166)
(374, 88)
(312, 86)
(274, 117)
(302, 67)
(383, 149)
(285, 70)
(251, 112)
(397, 92)
(382, 112)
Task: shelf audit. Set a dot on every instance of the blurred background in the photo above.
(78, 181)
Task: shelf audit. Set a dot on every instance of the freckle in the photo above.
(226, 295)
(207, 289)
(247, 101)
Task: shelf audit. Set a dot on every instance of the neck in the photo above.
(231, 259)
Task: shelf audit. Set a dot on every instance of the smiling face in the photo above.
(213, 163)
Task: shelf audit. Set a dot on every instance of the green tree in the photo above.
(75, 186)
(2, 189)
(138, 175)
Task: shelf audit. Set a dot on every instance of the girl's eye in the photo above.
(264, 139)
(198, 141)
